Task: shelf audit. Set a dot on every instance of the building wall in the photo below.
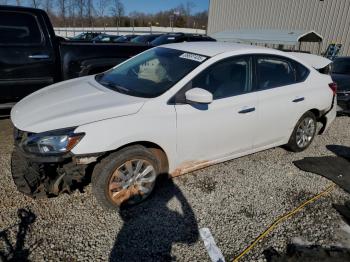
(330, 18)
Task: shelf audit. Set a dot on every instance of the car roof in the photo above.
(184, 34)
(342, 58)
(213, 48)
(151, 35)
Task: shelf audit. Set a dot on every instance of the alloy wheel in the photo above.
(132, 182)
(305, 132)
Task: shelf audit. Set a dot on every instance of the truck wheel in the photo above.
(303, 133)
(125, 177)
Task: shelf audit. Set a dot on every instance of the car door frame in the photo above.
(283, 137)
(21, 83)
(174, 100)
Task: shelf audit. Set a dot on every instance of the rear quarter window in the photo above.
(301, 72)
(18, 28)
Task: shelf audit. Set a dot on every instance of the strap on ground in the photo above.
(284, 217)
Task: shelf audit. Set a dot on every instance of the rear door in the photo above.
(282, 97)
(27, 60)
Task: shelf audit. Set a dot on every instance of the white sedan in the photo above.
(171, 109)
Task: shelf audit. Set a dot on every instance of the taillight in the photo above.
(334, 87)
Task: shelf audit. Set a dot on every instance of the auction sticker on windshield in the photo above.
(193, 57)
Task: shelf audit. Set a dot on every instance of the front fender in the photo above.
(111, 134)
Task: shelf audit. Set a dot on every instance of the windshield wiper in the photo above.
(118, 88)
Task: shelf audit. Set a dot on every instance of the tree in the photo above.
(80, 6)
(101, 7)
(188, 10)
(201, 19)
(62, 11)
(35, 3)
(139, 18)
(89, 11)
(70, 10)
(117, 11)
(47, 5)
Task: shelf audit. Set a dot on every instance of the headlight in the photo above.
(54, 142)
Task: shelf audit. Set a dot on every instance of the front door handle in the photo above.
(299, 99)
(39, 56)
(247, 110)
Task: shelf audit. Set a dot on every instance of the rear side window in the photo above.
(19, 28)
(301, 72)
(274, 72)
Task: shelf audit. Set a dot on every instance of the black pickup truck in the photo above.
(32, 56)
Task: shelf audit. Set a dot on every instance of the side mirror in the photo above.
(199, 95)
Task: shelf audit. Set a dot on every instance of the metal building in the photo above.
(330, 18)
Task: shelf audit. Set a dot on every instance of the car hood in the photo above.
(342, 80)
(71, 103)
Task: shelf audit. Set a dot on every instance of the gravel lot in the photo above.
(236, 200)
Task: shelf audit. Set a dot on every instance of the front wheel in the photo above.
(303, 133)
(125, 177)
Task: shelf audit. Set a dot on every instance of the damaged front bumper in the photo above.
(39, 175)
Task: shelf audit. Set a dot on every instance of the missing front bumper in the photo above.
(37, 178)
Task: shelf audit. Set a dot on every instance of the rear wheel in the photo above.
(303, 133)
(125, 177)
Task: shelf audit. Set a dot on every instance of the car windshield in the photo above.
(144, 38)
(99, 37)
(341, 66)
(165, 39)
(79, 36)
(124, 38)
(151, 73)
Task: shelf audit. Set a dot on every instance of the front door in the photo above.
(226, 126)
(27, 60)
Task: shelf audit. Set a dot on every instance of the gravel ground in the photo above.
(236, 200)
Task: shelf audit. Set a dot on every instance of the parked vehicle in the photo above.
(340, 72)
(31, 56)
(170, 109)
(145, 39)
(85, 36)
(104, 38)
(125, 38)
(179, 37)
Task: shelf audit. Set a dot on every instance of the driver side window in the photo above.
(226, 78)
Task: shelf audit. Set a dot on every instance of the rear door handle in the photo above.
(247, 110)
(299, 99)
(39, 56)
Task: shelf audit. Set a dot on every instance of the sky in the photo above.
(153, 6)
(149, 6)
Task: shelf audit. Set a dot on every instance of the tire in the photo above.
(114, 186)
(296, 143)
